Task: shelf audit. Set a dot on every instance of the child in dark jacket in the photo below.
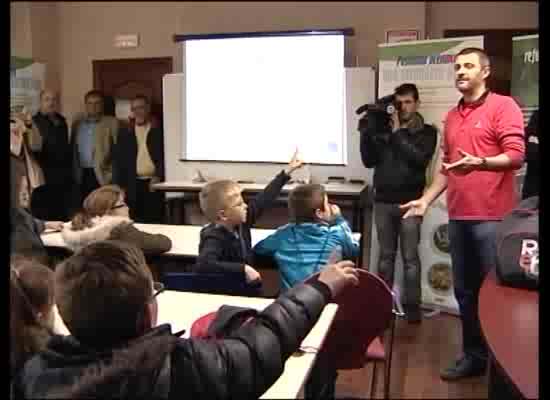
(225, 243)
(108, 301)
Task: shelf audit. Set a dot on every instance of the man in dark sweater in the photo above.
(226, 243)
(532, 177)
(399, 153)
(54, 156)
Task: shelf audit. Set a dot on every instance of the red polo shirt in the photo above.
(488, 127)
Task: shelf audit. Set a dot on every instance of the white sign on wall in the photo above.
(26, 82)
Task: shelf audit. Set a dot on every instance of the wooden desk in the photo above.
(510, 323)
(175, 308)
(185, 238)
(344, 191)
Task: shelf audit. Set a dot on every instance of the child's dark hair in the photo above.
(97, 203)
(101, 291)
(407, 88)
(303, 202)
(31, 291)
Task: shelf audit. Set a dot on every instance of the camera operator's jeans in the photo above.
(473, 254)
(390, 226)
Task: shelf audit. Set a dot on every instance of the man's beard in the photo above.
(405, 117)
(414, 121)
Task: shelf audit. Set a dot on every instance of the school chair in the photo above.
(365, 312)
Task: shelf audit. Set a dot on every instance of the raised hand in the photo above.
(338, 276)
(335, 212)
(414, 208)
(251, 274)
(294, 163)
(396, 124)
(54, 225)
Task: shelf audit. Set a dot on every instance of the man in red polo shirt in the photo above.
(483, 146)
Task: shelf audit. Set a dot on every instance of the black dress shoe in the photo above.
(465, 367)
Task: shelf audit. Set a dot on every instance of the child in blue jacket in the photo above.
(317, 230)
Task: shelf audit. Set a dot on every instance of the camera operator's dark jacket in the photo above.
(399, 159)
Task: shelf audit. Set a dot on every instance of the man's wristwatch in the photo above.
(483, 165)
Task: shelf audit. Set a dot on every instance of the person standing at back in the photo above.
(54, 155)
(531, 182)
(92, 136)
(483, 146)
(138, 162)
(400, 153)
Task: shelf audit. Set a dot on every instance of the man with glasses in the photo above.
(107, 299)
(92, 137)
(139, 162)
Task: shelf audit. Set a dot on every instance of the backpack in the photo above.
(517, 240)
(221, 323)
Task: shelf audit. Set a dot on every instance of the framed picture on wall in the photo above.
(402, 35)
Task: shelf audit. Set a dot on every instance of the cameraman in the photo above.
(399, 147)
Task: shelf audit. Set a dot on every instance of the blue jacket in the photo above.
(301, 250)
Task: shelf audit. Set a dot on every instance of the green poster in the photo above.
(26, 82)
(525, 70)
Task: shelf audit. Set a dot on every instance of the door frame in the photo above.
(169, 61)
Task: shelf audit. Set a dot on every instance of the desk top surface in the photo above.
(510, 323)
(350, 189)
(185, 238)
(181, 309)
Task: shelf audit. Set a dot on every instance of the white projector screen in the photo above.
(257, 99)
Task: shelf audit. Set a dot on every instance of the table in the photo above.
(344, 191)
(174, 308)
(510, 323)
(185, 238)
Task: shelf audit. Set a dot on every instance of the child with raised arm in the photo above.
(225, 243)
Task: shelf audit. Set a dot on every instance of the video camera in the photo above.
(381, 111)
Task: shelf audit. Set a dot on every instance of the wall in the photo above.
(479, 15)
(45, 40)
(369, 19)
(84, 31)
(34, 34)
(87, 31)
(20, 29)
